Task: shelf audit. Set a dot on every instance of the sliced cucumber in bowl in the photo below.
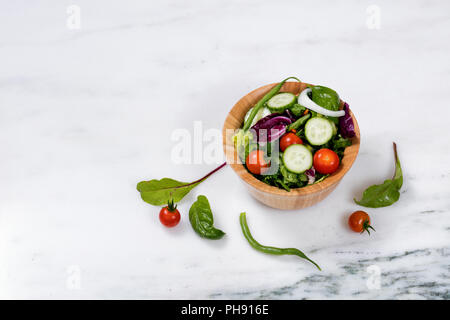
(297, 158)
(319, 131)
(281, 101)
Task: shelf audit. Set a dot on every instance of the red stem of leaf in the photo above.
(396, 158)
(201, 179)
(212, 172)
(395, 151)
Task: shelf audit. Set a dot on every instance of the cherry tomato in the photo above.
(256, 163)
(288, 139)
(169, 215)
(326, 161)
(359, 221)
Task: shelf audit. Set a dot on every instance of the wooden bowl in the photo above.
(273, 196)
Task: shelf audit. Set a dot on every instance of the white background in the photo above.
(87, 113)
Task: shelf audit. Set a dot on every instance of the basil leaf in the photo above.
(202, 220)
(385, 194)
(159, 192)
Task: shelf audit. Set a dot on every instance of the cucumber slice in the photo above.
(334, 126)
(297, 158)
(281, 101)
(318, 131)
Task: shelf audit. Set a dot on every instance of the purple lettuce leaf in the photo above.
(271, 127)
(311, 174)
(346, 126)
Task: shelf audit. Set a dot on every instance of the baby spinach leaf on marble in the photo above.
(201, 218)
(159, 192)
(383, 195)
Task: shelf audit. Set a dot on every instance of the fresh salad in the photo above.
(287, 141)
(291, 141)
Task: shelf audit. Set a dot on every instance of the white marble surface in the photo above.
(86, 114)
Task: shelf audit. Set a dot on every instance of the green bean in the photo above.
(295, 125)
(263, 101)
(269, 250)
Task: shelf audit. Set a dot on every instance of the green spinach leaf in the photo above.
(383, 195)
(325, 97)
(201, 218)
(297, 109)
(341, 143)
(159, 192)
(289, 177)
(294, 180)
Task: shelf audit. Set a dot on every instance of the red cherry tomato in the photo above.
(359, 221)
(169, 216)
(288, 139)
(326, 161)
(256, 163)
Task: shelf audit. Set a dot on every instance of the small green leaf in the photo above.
(325, 97)
(297, 109)
(201, 218)
(158, 192)
(340, 143)
(383, 195)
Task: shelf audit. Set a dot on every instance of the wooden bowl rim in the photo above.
(347, 161)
